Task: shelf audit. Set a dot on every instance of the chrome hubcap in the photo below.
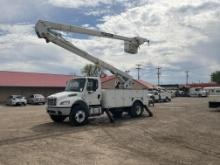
(80, 116)
(138, 110)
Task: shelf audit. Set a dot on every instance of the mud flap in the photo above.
(148, 111)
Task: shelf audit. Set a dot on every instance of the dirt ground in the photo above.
(184, 131)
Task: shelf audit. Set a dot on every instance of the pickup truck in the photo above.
(160, 95)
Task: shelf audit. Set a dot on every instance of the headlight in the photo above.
(65, 103)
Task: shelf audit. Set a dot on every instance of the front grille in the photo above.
(51, 101)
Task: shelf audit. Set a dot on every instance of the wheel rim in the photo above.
(138, 109)
(80, 116)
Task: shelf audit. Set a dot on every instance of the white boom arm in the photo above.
(45, 29)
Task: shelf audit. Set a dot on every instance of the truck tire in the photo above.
(137, 109)
(57, 119)
(79, 115)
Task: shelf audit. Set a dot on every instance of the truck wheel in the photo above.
(78, 116)
(136, 110)
(57, 119)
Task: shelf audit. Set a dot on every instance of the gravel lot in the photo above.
(184, 131)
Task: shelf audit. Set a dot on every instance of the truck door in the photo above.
(93, 95)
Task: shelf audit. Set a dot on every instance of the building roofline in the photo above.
(39, 73)
(142, 83)
(111, 77)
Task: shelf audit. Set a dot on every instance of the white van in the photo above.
(213, 90)
(198, 92)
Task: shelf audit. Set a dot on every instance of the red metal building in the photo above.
(26, 83)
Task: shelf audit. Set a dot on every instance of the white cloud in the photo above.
(21, 50)
(96, 3)
(184, 35)
(176, 31)
(22, 10)
(78, 3)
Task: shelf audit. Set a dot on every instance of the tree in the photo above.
(215, 76)
(91, 70)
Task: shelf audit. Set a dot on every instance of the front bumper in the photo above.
(63, 111)
(214, 104)
(12, 103)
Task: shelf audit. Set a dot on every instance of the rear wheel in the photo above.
(137, 109)
(78, 116)
(57, 119)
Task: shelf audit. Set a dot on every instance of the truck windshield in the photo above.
(76, 85)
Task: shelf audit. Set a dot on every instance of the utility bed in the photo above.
(114, 98)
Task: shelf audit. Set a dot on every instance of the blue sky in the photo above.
(185, 36)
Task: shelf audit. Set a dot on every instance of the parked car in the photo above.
(159, 95)
(164, 95)
(154, 95)
(173, 93)
(199, 92)
(36, 99)
(16, 100)
(182, 93)
(151, 99)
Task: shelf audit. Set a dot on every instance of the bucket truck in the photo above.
(84, 97)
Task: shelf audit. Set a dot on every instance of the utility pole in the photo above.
(187, 77)
(158, 75)
(138, 69)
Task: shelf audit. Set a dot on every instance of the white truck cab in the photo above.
(83, 97)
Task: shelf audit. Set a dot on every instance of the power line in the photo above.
(138, 69)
